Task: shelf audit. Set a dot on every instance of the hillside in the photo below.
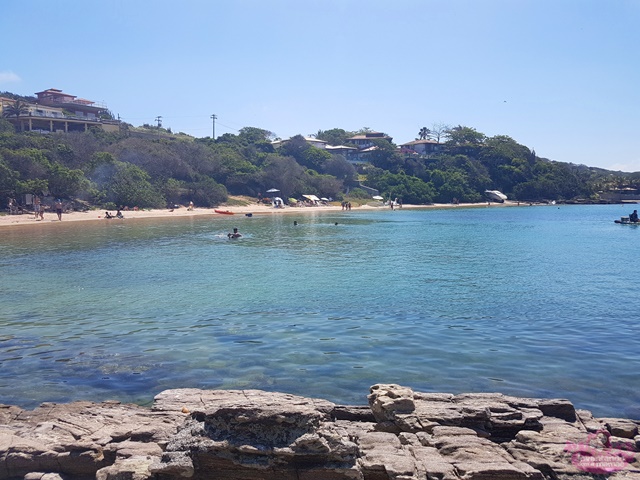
(149, 167)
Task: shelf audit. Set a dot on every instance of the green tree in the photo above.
(64, 182)
(130, 186)
(386, 156)
(8, 180)
(283, 173)
(424, 133)
(37, 187)
(206, 192)
(6, 127)
(340, 168)
(334, 136)
(461, 136)
(17, 109)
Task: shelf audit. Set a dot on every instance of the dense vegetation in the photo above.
(156, 168)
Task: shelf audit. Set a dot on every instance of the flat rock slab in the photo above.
(257, 435)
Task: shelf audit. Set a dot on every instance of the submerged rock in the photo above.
(257, 435)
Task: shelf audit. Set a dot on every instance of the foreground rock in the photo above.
(256, 435)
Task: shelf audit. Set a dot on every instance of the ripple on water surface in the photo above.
(514, 300)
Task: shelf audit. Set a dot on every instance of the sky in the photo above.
(559, 76)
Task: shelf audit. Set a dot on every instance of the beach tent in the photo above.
(273, 190)
(377, 197)
(277, 202)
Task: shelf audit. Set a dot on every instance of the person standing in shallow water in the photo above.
(58, 207)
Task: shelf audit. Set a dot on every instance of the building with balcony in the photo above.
(365, 140)
(56, 111)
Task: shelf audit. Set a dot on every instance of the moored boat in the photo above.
(626, 221)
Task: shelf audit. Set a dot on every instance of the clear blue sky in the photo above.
(559, 76)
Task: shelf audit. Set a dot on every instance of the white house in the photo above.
(421, 147)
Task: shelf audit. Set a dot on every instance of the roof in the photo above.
(341, 147)
(312, 139)
(420, 142)
(369, 136)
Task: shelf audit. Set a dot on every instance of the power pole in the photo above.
(213, 135)
(159, 120)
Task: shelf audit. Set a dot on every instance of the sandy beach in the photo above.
(50, 217)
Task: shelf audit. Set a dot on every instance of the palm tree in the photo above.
(424, 133)
(16, 110)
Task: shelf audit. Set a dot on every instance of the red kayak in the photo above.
(224, 212)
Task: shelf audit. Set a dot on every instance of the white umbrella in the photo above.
(272, 190)
(377, 197)
(325, 199)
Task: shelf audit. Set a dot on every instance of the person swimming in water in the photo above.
(235, 234)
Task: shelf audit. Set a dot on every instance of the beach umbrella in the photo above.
(377, 197)
(272, 190)
(324, 199)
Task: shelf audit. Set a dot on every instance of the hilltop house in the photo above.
(55, 110)
(365, 140)
(314, 142)
(421, 147)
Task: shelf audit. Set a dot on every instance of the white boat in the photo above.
(495, 196)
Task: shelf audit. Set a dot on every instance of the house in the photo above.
(348, 152)
(56, 111)
(366, 139)
(420, 147)
(314, 142)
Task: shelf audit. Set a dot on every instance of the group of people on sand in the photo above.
(38, 208)
(117, 215)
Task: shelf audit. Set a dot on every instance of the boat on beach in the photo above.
(495, 196)
(224, 212)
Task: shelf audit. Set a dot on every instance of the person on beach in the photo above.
(634, 217)
(119, 214)
(36, 207)
(59, 209)
(107, 215)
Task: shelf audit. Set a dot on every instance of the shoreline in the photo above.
(183, 212)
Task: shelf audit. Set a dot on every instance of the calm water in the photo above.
(530, 301)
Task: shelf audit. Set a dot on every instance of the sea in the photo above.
(533, 301)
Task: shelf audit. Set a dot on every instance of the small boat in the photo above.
(626, 221)
(495, 196)
(224, 212)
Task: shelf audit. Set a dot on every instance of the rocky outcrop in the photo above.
(256, 435)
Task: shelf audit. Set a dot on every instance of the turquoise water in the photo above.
(529, 301)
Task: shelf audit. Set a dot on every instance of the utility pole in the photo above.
(159, 120)
(213, 135)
